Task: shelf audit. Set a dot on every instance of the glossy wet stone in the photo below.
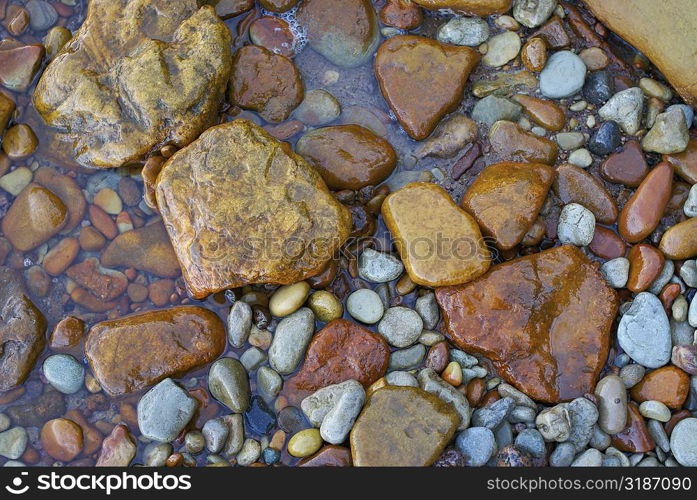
(265, 82)
(342, 350)
(680, 240)
(547, 322)
(422, 80)
(627, 166)
(512, 143)
(463, 255)
(19, 65)
(606, 139)
(287, 199)
(506, 198)
(21, 331)
(575, 185)
(685, 163)
(534, 54)
(635, 438)
(607, 244)
(470, 7)
(328, 456)
(646, 264)
(173, 74)
(669, 385)
(543, 112)
(259, 419)
(179, 339)
(348, 156)
(402, 426)
(642, 213)
(62, 439)
(598, 87)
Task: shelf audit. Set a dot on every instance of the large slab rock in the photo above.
(136, 351)
(22, 328)
(241, 208)
(544, 320)
(422, 80)
(663, 31)
(402, 427)
(138, 74)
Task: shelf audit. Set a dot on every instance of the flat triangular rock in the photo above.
(422, 80)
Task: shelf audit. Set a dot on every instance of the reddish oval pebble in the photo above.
(607, 244)
(401, 14)
(668, 295)
(642, 213)
(475, 391)
(680, 241)
(543, 112)
(674, 419)
(437, 357)
(635, 438)
(61, 439)
(489, 398)
(273, 34)
(678, 196)
(685, 163)
(627, 166)
(102, 222)
(575, 185)
(328, 456)
(668, 384)
(645, 264)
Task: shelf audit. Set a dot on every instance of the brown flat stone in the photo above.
(680, 241)
(439, 246)
(265, 82)
(642, 213)
(575, 185)
(512, 143)
(635, 438)
(136, 75)
(627, 166)
(342, 350)
(534, 54)
(278, 5)
(401, 427)
(178, 340)
(506, 198)
(214, 191)
(668, 384)
(348, 156)
(544, 320)
(607, 244)
(67, 333)
(685, 163)
(105, 284)
(328, 456)
(672, 51)
(422, 80)
(471, 7)
(645, 264)
(541, 111)
(401, 14)
(18, 65)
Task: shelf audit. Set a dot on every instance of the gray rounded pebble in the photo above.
(42, 15)
(229, 384)
(477, 445)
(493, 108)
(290, 340)
(469, 31)
(402, 379)
(13, 442)
(379, 267)
(683, 442)
(239, 323)
(319, 107)
(563, 455)
(563, 75)
(625, 108)
(589, 458)
(64, 373)
(365, 305)
(400, 326)
(156, 454)
(644, 331)
(164, 411)
(427, 307)
(215, 432)
(576, 225)
(407, 359)
(616, 272)
(269, 382)
(531, 441)
(252, 358)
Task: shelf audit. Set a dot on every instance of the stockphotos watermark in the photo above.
(21, 483)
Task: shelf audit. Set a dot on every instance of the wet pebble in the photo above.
(365, 306)
(493, 108)
(64, 373)
(598, 88)
(576, 225)
(532, 442)
(239, 323)
(290, 340)
(319, 107)
(502, 48)
(625, 108)
(229, 384)
(492, 415)
(215, 432)
(407, 359)
(477, 445)
(379, 267)
(668, 135)
(427, 307)
(164, 411)
(644, 331)
(42, 15)
(470, 31)
(402, 379)
(563, 455)
(683, 442)
(400, 326)
(606, 139)
(655, 410)
(616, 272)
(259, 418)
(533, 14)
(13, 442)
(288, 298)
(563, 75)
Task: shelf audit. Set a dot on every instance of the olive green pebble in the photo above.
(305, 443)
(288, 299)
(194, 442)
(55, 39)
(326, 306)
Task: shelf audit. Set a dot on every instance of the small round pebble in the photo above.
(581, 158)
(379, 267)
(477, 444)
(325, 305)
(469, 31)
(616, 272)
(576, 225)
(288, 299)
(683, 442)
(305, 443)
(365, 306)
(563, 75)
(400, 326)
(64, 373)
(606, 139)
(655, 410)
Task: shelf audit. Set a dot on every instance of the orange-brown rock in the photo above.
(348, 156)
(67, 333)
(607, 244)
(22, 329)
(685, 163)
(274, 34)
(506, 198)
(422, 80)
(668, 384)
(512, 143)
(61, 439)
(645, 264)
(627, 166)
(227, 9)
(265, 82)
(401, 14)
(342, 350)
(635, 438)
(178, 340)
(91, 240)
(7, 109)
(59, 257)
(534, 54)
(642, 213)
(214, 193)
(34, 217)
(439, 246)
(544, 320)
(470, 7)
(328, 456)
(278, 5)
(575, 185)
(541, 111)
(137, 75)
(680, 240)
(672, 51)
(147, 249)
(105, 284)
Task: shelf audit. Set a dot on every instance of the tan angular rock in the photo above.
(422, 80)
(238, 184)
(440, 245)
(544, 320)
(402, 427)
(138, 74)
(669, 47)
(506, 198)
(178, 340)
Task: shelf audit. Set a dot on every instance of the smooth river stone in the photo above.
(671, 51)
(178, 340)
(627, 166)
(575, 185)
(506, 198)
(138, 74)
(422, 80)
(512, 143)
(544, 320)
(439, 246)
(402, 427)
(470, 7)
(669, 385)
(348, 156)
(642, 213)
(685, 163)
(341, 351)
(236, 180)
(680, 241)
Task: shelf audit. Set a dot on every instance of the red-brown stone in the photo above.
(642, 213)
(645, 264)
(627, 166)
(607, 244)
(635, 438)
